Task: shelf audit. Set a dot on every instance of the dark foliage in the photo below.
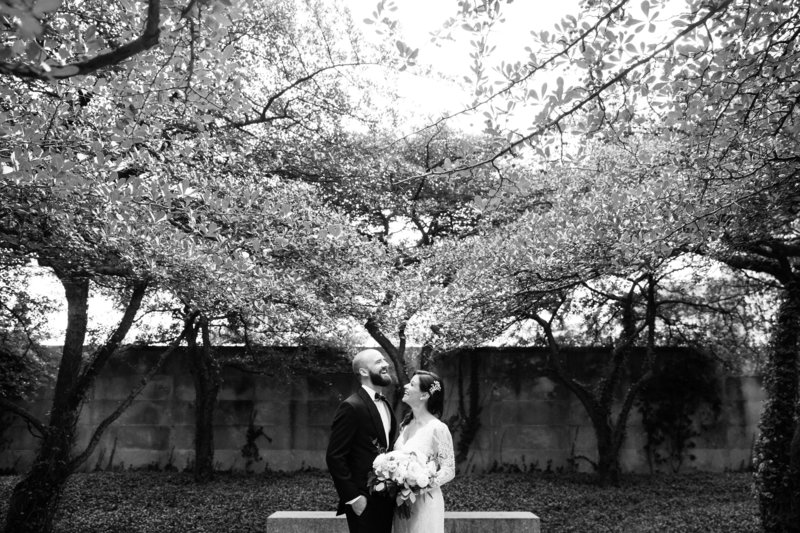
(170, 502)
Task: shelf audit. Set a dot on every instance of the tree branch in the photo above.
(27, 416)
(124, 404)
(580, 104)
(148, 39)
(102, 355)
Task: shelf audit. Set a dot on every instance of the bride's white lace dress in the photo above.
(431, 440)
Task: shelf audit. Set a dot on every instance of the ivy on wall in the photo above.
(669, 403)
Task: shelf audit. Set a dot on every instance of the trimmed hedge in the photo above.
(170, 502)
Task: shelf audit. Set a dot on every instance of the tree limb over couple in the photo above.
(364, 427)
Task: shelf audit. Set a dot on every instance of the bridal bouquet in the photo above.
(402, 476)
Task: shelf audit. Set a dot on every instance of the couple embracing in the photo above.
(365, 426)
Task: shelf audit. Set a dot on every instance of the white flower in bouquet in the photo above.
(418, 475)
(402, 476)
(386, 465)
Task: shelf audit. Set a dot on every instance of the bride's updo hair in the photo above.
(433, 385)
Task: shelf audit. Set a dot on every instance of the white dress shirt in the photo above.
(383, 410)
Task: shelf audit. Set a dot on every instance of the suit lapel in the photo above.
(392, 426)
(369, 403)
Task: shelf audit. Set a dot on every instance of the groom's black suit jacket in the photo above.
(356, 435)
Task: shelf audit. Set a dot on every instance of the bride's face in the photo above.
(412, 394)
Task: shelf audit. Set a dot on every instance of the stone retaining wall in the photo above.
(524, 421)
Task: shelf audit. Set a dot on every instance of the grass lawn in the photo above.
(167, 502)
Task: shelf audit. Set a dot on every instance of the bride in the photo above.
(428, 437)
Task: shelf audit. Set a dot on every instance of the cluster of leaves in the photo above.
(148, 501)
(24, 363)
(147, 170)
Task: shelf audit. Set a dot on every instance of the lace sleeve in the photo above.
(443, 444)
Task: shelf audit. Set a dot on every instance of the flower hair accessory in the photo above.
(435, 387)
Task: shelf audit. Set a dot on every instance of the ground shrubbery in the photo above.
(170, 502)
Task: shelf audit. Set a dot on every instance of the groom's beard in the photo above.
(380, 380)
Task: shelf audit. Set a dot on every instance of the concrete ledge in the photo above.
(454, 522)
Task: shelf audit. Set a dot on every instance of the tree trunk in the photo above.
(607, 458)
(35, 499)
(776, 474)
(206, 374)
(607, 466)
(397, 354)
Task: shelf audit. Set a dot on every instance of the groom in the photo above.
(363, 426)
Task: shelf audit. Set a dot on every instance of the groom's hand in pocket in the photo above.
(359, 506)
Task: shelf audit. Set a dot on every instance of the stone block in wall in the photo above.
(181, 459)
(742, 388)
(272, 413)
(299, 389)
(715, 436)
(709, 459)
(577, 414)
(99, 410)
(236, 386)
(329, 387)
(298, 436)
(271, 388)
(482, 440)
(183, 387)
(582, 439)
(752, 389)
(282, 437)
(739, 436)
(225, 459)
(532, 437)
(740, 459)
(634, 416)
(39, 408)
(84, 432)
(145, 413)
(752, 412)
(146, 438)
(734, 412)
(181, 412)
(140, 359)
(159, 387)
(19, 438)
(18, 461)
(535, 389)
(632, 459)
(529, 413)
(635, 438)
(233, 412)
(320, 413)
(182, 437)
(230, 437)
(478, 460)
(113, 387)
(312, 438)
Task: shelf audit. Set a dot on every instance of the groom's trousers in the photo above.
(376, 518)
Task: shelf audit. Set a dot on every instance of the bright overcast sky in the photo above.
(419, 18)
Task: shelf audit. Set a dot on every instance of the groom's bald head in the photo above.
(371, 368)
(364, 359)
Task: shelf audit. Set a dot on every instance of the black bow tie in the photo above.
(379, 396)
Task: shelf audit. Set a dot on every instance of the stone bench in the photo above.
(454, 522)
